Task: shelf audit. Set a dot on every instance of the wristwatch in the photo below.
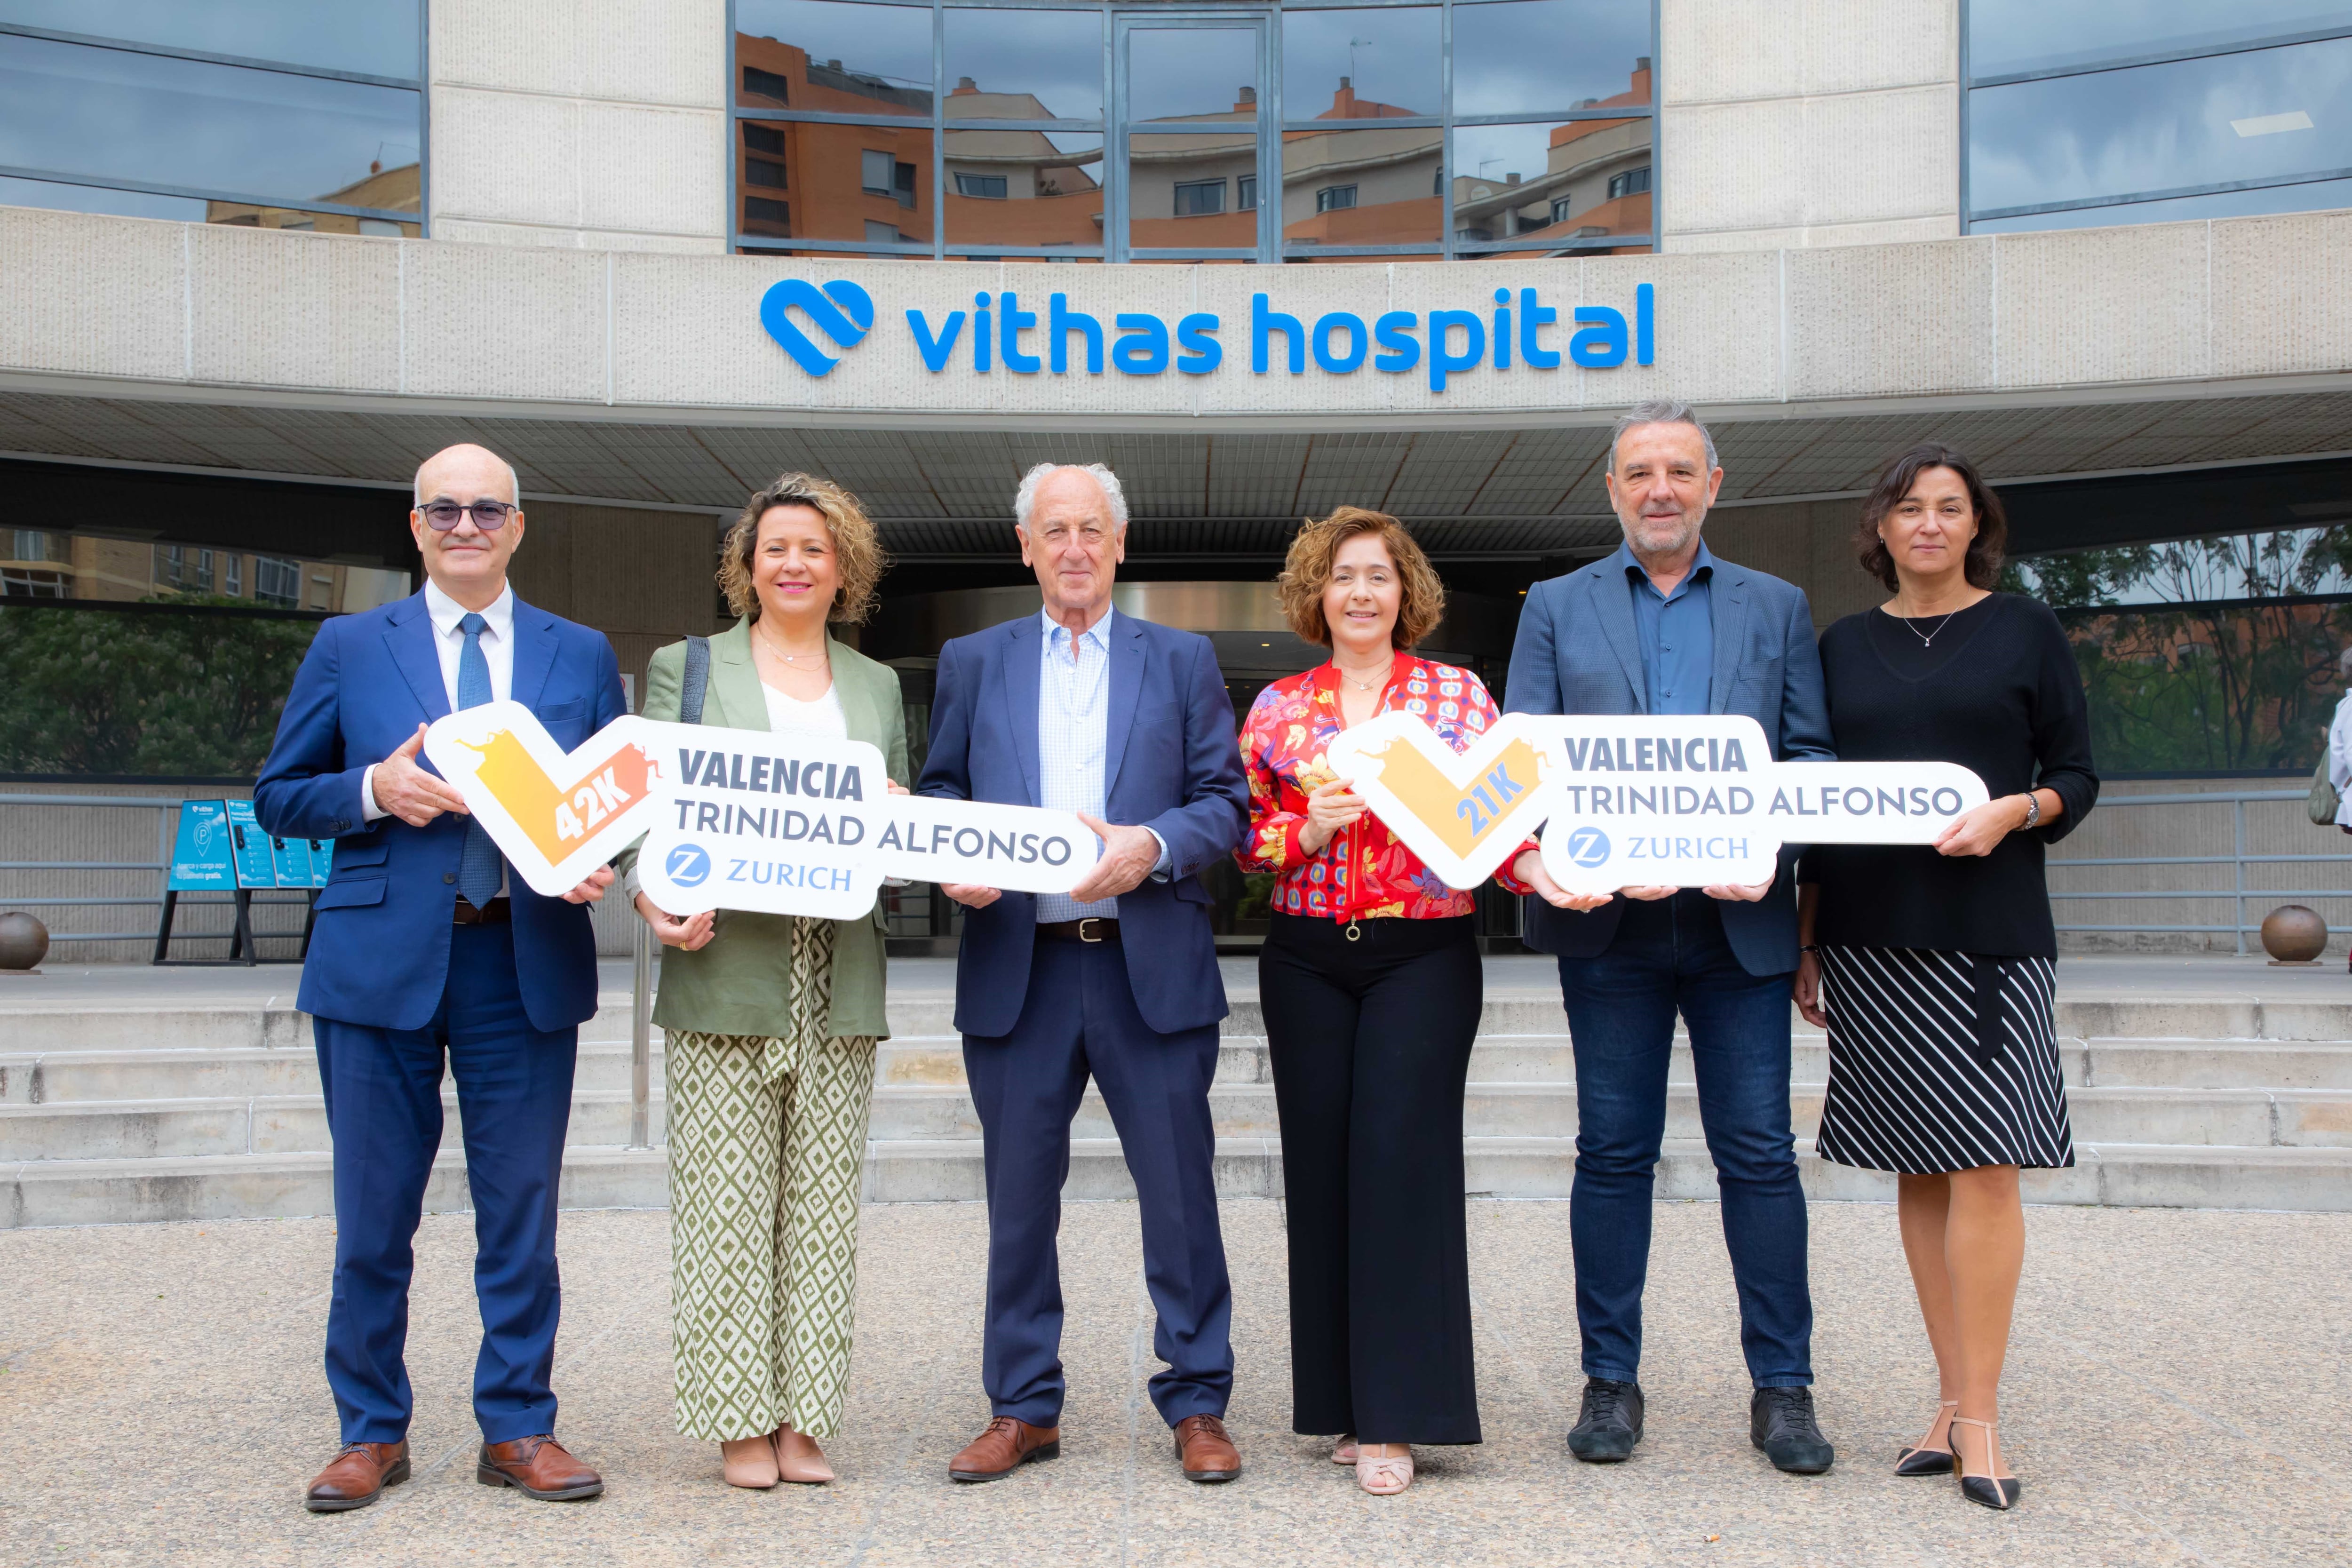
(2032, 807)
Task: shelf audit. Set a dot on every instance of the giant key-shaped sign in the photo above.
(739, 819)
(1689, 802)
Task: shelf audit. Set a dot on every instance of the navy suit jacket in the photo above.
(1173, 764)
(380, 952)
(1578, 653)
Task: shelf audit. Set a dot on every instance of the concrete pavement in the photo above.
(2179, 1391)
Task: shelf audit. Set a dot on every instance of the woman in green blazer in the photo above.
(771, 1021)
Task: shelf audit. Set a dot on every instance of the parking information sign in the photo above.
(200, 851)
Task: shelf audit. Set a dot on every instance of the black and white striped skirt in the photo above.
(1923, 1081)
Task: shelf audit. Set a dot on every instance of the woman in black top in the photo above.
(1932, 966)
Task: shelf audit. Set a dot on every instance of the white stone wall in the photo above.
(2207, 308)
(597, 124)
(1793, 123)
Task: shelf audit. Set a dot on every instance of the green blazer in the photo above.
(739, 982)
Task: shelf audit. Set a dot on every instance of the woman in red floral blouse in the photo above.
(1371, 987)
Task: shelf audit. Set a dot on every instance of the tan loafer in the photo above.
(1007, 1444)
(1204, 1450)
(357, 1477)
(537, 1467)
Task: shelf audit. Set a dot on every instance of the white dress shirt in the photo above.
(2339, 758)
(1074, 743)
(448, 643)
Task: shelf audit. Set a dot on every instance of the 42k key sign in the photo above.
(739, 819)
(1689, 802)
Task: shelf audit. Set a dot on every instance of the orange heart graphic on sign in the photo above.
(557, 819)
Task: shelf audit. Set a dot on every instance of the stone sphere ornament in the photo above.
(2294, 934)
(24, 941)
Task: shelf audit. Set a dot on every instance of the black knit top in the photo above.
(1995, 689)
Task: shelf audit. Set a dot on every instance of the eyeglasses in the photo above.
(487, 515)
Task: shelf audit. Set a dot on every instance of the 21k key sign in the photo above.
(739, 819)
(1689, 802)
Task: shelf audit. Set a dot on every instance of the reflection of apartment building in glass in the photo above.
(400, 188)
(1595, 182)
(47, 564)
(809, 180)
(1008, 187)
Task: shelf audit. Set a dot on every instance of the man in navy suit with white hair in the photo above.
(1126, 723)
(1662, 626)
(427, 950)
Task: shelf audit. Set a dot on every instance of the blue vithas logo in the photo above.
(688, 865)
(841, 309)
(1587, 846)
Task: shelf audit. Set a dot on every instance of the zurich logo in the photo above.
(841, 309)
(1587, 846)
(688, 865)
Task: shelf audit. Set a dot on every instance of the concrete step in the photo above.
(944, 1113)
(88, 1192)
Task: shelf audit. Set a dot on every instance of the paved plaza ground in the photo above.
(2179, 1391)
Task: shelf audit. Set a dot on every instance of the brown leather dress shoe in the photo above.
(358, 1477)
(1205, 1451)
(537, 1467)
(1004, 1448)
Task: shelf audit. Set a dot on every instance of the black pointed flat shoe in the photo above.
(1991, 1491)
(1923, 1460)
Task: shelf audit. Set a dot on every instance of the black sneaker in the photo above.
(1610, 1424)
(1781, 1422)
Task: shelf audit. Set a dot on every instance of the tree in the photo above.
(138, 692)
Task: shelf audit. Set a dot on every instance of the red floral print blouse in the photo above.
(1363, 871)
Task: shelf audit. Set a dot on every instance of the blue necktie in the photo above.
(479, 869)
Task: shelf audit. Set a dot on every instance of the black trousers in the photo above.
(1370, 1041)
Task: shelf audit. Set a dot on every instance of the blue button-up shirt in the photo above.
(1676, 632)
(1073, 742)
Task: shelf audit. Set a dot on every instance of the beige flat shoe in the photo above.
(1382, 1476)
(798, 1458)
(750, 1462)
(1345, 1454)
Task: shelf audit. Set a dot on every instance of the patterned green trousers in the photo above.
(767, 1144)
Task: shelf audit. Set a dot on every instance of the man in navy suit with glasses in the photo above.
(427, 951)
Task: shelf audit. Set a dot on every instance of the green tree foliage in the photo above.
(144, 693)
(2192, 659)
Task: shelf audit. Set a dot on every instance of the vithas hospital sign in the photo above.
(998, 332)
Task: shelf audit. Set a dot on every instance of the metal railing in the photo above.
(166, 808)
(2238, 859)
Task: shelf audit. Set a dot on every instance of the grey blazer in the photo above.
(1577, 653)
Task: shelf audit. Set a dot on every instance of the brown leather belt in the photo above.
(499, 912)
(1091, 929)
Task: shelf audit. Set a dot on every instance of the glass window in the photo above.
(1245, 193)
(2012, 36)
(1025, 65)
(1177, 185)
(2318, 196)
(834, 57)
(1546, 56)
(1193, 73)
(1362, 65)
(1026, 188)
(1361, 187)
(152, 120)
(1550, 182)
(847, 182)
(373, 37)
(1200, 198)
(2253, 115)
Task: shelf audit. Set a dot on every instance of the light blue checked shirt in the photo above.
(1074, 743)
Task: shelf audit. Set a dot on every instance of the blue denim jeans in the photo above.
(1668, 955)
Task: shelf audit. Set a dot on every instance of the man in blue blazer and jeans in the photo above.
(427, 949)
(1662, 626)
(1126, 723)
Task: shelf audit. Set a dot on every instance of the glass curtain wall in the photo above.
(256, 113)
(2081, 113)
(1069, 131)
